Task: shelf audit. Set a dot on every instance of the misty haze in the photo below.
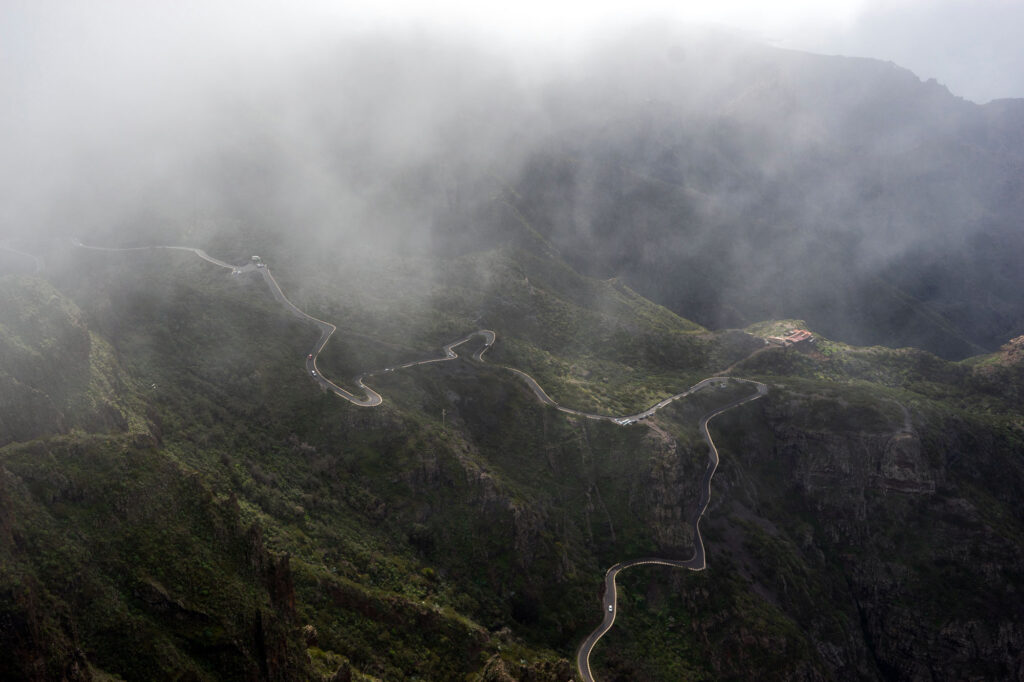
(341, 347)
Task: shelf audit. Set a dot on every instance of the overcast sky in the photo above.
(973, 47)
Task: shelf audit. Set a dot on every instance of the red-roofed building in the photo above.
(792, 338)
(798, 336)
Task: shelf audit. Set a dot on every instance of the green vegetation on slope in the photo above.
(233, 522)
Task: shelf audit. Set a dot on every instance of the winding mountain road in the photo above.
(37, 261)
(199, 252)
(372, 398)
(696, 562)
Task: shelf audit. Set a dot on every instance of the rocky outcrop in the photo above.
(930, 579)
(343, 673)
(834, 465)
(498, 669)
(901, 466)
(908, 649)
(671, 491)
(274, 628)
(1013, 351)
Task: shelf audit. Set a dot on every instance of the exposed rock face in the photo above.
(1013, 351)
(907, 649)
(902, 466)
(273, 643)
(935, 586)
(343, 673)
(855, 462)
(498, 670)
(671, 492)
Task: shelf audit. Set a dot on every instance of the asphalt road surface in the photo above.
(370, 397)
(697, 562)
(36, 260)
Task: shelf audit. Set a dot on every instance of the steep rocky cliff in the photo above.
(910, 531)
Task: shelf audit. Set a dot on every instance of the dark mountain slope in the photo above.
(727, 181)
(737, 185)
(178, 500)
(865, 523)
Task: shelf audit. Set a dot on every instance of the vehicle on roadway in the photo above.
(309, 357)
(314, 372)
(609, 608)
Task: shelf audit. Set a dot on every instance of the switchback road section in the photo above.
(372, 399)
(697, 562)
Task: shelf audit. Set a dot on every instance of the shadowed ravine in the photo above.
(372, 398)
